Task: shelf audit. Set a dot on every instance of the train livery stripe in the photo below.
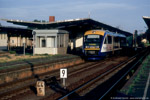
(97, 32)
(92, 49)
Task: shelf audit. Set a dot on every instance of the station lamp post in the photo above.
(33, 33)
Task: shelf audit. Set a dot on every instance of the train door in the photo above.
(108, 44)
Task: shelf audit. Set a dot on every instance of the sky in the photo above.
(125, 14)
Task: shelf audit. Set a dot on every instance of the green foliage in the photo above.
(29, 54)
(43, 21)
(132, 71)
(130, 41)
(138, 78)
(12, 52)
(37, 20)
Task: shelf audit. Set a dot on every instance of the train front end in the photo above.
(92, 44)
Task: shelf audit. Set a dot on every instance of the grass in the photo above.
(141, 75)
(29, 58)
(146, 44)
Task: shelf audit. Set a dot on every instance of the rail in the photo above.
(125, 63)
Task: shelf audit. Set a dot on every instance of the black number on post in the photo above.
(41, 84)
(40, 90)
(63, 72)
(38, 84)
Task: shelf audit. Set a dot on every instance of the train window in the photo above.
(116, 39)
(109, 40)
(116, 42)
(105, 42)
(93, 38)
(123, 41)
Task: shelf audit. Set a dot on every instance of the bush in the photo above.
(12, 52)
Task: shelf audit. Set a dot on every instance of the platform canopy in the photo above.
(147, 21)
(16, 31)
(72, 25)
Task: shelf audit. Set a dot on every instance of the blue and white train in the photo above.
(98, 44)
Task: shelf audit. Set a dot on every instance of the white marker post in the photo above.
(40, 86)
(63, 75)
(24, 49)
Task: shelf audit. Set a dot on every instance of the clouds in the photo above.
(110, 12)
(66, 7)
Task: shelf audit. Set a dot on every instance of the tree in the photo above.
(43, 21)
(130, 41)
(37, 20)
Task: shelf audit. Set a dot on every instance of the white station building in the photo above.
(50, 41)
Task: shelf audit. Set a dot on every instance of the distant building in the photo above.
(75, 27)
(14, 37)
(50, 41)
(3, 41)
(18, 41)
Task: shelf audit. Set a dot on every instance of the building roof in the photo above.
(83, 24)
(147, 20)
(16, 31)
(54, 31)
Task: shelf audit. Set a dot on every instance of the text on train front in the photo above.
(92, 44)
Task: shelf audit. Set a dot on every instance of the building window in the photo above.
(4, 36)
(12, 41)
(1, 36)
(43, 43)
(61, 40)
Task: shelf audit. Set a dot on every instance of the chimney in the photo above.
(51, 18)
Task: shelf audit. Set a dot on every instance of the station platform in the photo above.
(31, 67)
(138, 86)
(16, 62)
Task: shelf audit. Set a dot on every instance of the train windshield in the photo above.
(93, 38)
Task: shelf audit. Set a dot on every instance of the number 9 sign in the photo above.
(63, 73)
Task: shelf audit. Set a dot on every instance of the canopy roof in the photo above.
(147, 21)
(82, 24)
(16, 31)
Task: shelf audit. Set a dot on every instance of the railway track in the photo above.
(24, 86)
(82, 79)
(75, 80)
(99, 88)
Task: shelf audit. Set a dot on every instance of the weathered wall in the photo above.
(62, 50)
(3, 41)
(45, 51)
